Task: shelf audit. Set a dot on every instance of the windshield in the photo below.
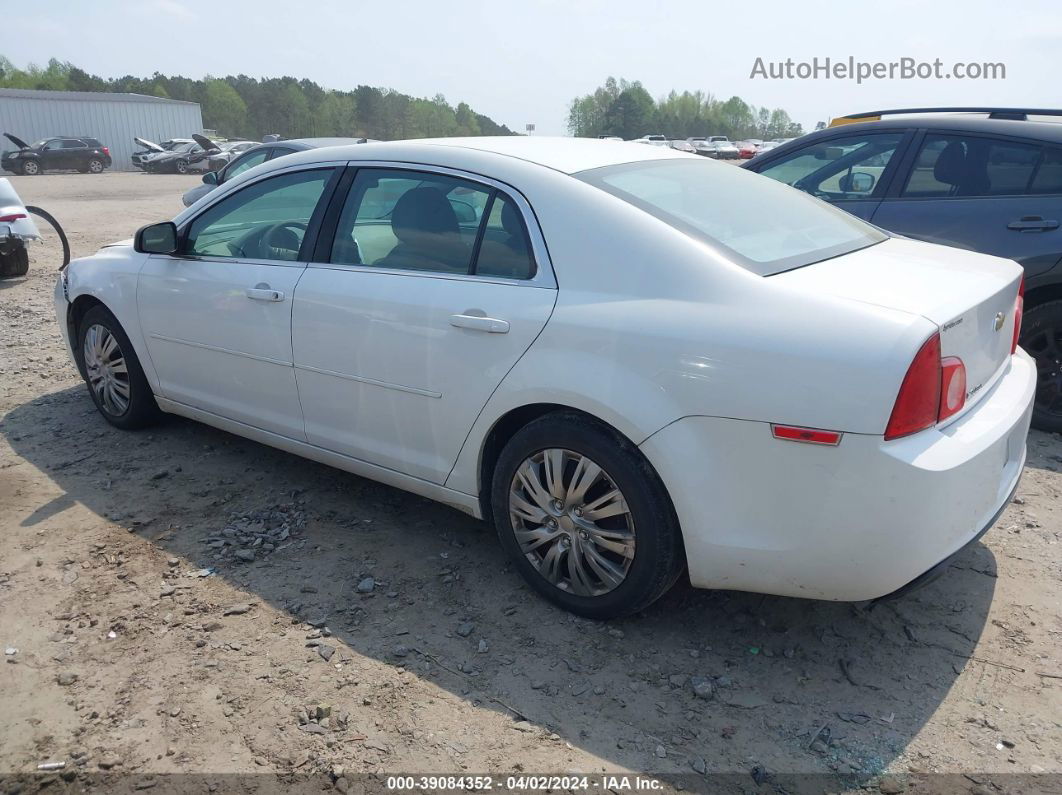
(760, 224)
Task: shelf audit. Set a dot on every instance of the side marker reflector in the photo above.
(791, 433)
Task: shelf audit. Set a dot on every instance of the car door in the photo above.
(217, 316)
(852, 171)
(996, 195)
(53, 155)
(75, 154)
(430, 286)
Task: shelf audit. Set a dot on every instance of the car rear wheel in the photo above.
(1041, 337)
(95, 166)
(113, 373)
(31, 168)
(584, 517)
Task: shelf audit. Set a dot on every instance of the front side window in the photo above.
(419, 221)
(963, 166)
(838, 169)
(267, 220)
(762, 225)
(244, 162)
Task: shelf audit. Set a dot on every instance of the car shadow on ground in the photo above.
(795, 686)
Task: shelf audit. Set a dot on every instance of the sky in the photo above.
(523, 62)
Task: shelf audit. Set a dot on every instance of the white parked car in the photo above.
(631, 360)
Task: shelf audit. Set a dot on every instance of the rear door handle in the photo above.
(491, 325)
(263, 292)
(1032, 223)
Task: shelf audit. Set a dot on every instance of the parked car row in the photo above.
(256, 155)
(717, 147)
(185, 155)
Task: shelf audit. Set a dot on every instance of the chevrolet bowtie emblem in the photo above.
(1000, 319)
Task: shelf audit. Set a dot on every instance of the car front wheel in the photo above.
(31, 168)
(113, 373)
(584, 517)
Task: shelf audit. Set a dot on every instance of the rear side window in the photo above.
(962, 166)
(762, 225)
(505, 251)
(1048, 177)
(420, 221)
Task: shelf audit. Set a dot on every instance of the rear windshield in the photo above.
(762, 225)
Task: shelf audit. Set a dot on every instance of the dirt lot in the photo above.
(146, 648)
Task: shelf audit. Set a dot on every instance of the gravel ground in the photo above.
(185, 601)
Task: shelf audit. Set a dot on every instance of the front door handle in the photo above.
(491, 325)
(263, 292)
(1032, 223)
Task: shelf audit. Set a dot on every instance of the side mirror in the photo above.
(210, 178)
(158, 238)
(857, 182)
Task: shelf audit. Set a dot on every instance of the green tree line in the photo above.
(626, 109)
(248, 107)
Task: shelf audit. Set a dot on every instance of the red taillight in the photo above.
(105, 151)
(952, 386)
(792, 433)
(918, 403)
(1019, 310)
(8, 219)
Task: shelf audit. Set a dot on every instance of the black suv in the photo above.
(86, 155)
(983, 179)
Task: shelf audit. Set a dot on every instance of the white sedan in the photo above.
(635, 362)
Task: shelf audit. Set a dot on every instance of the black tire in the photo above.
(1041, 337)
(31, 168)
(658, 558)
(95, 166)
(14, 262)
(142, 410)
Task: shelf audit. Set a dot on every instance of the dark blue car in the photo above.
(985, 179)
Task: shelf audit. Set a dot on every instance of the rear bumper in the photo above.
(853, 522)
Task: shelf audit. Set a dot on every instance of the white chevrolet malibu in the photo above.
(633, 361)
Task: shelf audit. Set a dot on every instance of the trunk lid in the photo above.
(969, 296)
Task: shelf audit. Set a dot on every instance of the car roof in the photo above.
(1050, 131)
(567, 155)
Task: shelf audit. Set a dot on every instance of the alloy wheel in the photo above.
(95, 166)
(572, 522)
(105, 366)
(1044, 344)
(30, 168)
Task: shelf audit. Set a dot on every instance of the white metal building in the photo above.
(115, 119)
